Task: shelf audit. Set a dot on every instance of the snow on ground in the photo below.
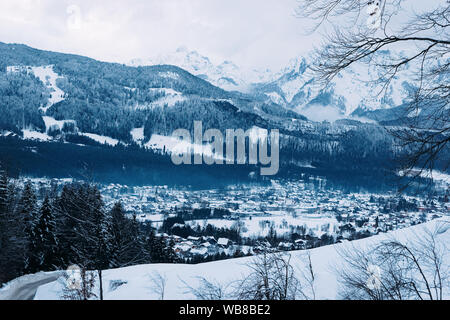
(35, 135)
(171, 144)
(355, 84)
(441, 176)
(151, 218)
(282, 223)
(52, 122)
(24, 288)
(137, 284)
(170, 99)
(169, 75)
(276, 98)
(167, 91)
(137, 134)
(49, 77)
(101, 139)
(6, 133)
(291, 88)
(436, 175)
(226, 75)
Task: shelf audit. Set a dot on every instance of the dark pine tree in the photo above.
(13, 242)
(45, 246)
(95, 251)
(84, 229)
(27, 212)
(126, 243)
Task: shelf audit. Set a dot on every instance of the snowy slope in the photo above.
(137, 279)
(57, 124)
(170, 145)
(101, 139)
(24, 288)
(356, 88)
(49, 77)
(35, 135)
(293, 86)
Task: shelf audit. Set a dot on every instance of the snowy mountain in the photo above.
(135, 282)
(226, 75)
(353, 92)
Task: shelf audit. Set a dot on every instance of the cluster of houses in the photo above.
(204, 246)
(350, 212)
(355, 213)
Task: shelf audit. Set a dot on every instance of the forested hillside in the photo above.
(53, 98)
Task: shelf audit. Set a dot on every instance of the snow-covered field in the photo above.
(137, 284)
(101, 139)
(172, 144)
(138, 135)
(52, 122)
(259, 226)
(35, 135)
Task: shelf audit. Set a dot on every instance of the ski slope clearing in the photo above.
(136, 282)
(49, 77)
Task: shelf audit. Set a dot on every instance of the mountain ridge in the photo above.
(351, 94)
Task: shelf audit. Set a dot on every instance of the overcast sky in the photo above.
(251, 33)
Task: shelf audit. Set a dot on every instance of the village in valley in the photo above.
(287, 215)
(240, 220)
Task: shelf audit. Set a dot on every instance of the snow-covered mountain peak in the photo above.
(293, 86)
(296, 65)
(226, 74)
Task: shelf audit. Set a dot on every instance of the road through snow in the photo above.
(24, 288)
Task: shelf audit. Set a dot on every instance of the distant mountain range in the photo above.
(354, 93)
(226, 75)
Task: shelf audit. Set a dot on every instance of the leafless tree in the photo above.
(208, 290)
(361, 32)
(79, 286)
(158, 284)
(271, 277)
(396, 270)
(307, 289)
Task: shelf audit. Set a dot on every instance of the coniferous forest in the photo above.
(70, 227)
